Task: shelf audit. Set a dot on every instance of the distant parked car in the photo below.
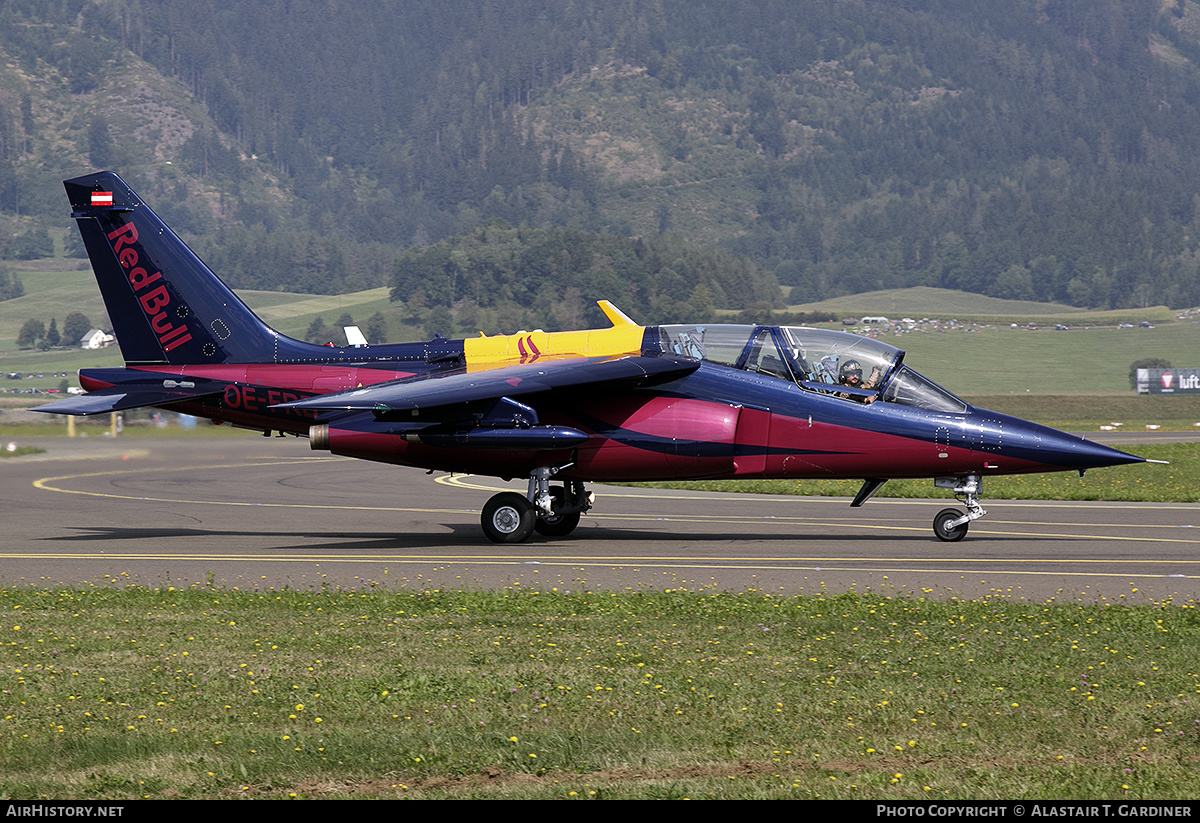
(1146, 324)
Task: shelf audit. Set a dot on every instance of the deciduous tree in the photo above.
(31, 332)
(75, 326)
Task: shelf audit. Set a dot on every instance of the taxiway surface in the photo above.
(269, 513)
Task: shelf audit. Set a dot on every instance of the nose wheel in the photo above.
(950, 525)
(946, 532)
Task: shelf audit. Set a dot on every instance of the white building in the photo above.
(97, 339)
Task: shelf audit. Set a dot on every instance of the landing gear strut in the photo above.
(561, 521)
(950, 525)
(551, 511)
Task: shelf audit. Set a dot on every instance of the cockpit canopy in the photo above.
(830, 362)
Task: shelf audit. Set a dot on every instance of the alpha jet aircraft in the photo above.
(627, 402)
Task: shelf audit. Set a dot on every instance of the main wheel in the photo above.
(947, 534)
(557, 525)
(508, 518)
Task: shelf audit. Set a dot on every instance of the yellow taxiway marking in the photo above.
(792, 565)
(536, 559)
(460, 481)
(46, 483)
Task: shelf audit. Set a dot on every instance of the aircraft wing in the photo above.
(447, 388)
(121, 397)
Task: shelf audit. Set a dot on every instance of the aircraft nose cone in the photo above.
(1049, 447)
(1077, 453)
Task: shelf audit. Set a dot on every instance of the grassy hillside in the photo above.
(292, 313)
(53, 288)
(56, 286)
(989, 360)
(926, 301)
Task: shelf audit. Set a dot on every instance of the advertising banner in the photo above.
(1168, 381)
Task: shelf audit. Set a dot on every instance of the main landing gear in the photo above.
(950, 525)
(551, 511)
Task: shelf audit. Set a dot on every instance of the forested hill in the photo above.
(1020, 148)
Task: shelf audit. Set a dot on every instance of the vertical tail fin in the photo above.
(165, 304)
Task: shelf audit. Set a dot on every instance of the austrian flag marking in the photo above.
(102, 198)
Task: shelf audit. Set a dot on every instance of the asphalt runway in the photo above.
(264, 512)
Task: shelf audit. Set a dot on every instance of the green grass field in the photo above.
(1088, 361)
(121, 692)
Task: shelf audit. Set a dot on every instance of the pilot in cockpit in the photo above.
(851, 374)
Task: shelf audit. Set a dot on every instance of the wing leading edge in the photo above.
(446, 388)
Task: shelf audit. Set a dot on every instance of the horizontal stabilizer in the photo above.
(446, 388)
(119, 398)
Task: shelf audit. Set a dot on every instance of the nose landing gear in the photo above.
(950, 525)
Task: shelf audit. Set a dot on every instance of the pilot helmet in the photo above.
(851, 368)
